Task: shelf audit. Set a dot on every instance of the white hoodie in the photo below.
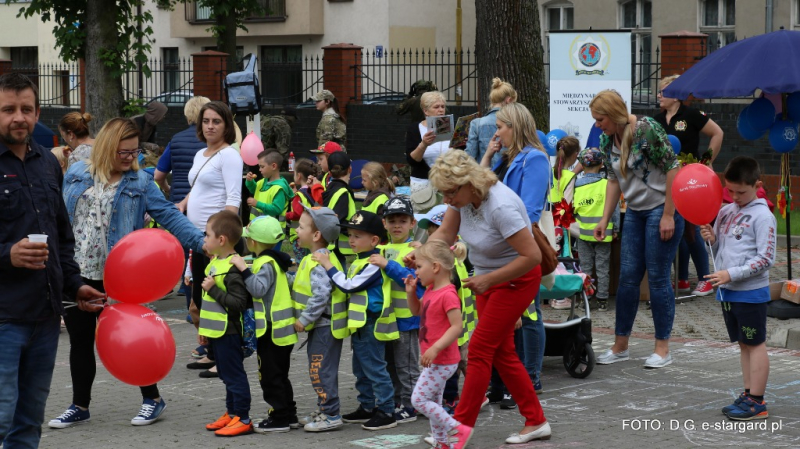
(745, 244)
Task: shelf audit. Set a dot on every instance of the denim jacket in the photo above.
(481, 131)
(136, 194)
(529, 176)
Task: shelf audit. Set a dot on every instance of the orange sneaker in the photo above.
(235, 428)
(221, 422)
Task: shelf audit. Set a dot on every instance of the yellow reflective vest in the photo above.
(343, 242)
(301, 292)
(588, 203)
(396, 252)
(213, 316)
(469, 313)
(379, 201)
(560, 186)
(386, 325)
(292, 225)
(267, 197)
(281, 312)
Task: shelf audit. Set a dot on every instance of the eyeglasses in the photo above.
(132, 153)
(450, 193)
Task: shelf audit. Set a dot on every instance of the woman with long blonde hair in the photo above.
(642, 166)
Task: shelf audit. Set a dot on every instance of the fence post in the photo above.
(209, 69)
(5, 66)
(341, 69)
(82, 83)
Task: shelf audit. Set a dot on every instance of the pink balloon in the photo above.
(697, 193)
(135, 344)
(143, 266)
(251, 148)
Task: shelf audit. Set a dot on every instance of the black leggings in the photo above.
(82, 365)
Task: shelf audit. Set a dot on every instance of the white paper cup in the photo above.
(37, 238)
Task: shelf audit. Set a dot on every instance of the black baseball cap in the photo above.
(340, 159)
(366, 221)
(399, 205)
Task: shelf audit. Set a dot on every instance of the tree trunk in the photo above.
(508, 45)
(104, 97)
(226, 40)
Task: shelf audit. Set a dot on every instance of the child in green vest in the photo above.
(589, 202)
(303, 170)
(272, 194)
(323, 152)
(323, 314)
(371, 320)
(338, 197)
(378, 186)
(402, 356)
(225, 297)
(274, 316)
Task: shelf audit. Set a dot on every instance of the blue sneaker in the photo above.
(537, 386)
(749, 409)
(735, 405)
(73, 415)
(150, 412)
(405, 414)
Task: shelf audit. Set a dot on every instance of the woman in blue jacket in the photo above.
(107, 199)
(525, 169)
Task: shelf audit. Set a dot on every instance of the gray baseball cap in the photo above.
(326, 222)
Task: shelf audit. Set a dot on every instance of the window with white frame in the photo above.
(558, 15)
(637, 16)
(796, 15)
(718, 21)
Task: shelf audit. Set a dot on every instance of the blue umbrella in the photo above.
(768, 62)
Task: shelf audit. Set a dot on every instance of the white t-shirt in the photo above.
(217, 185)
(431, 153)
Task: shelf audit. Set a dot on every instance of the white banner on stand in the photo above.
(583, 63)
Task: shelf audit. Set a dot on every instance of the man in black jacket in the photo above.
(33, 276)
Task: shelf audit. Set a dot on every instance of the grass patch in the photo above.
(795, 222)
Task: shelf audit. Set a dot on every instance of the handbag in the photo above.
(424, 199)
(545, 242)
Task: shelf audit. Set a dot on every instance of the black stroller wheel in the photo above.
(579, 359)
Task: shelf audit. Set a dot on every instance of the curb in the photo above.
(781, 241)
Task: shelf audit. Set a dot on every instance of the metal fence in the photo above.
(170, 82)
(291, 81)
(58, 83)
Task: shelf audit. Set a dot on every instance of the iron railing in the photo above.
(58, 83)
(291, 82)
(272, 11)
(167, 79)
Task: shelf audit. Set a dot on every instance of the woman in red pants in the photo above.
(494, 223)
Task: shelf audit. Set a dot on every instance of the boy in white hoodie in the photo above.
(743, 240)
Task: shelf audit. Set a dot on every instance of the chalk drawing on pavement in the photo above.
(388, 441)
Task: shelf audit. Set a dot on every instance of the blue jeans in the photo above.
(230, 366)
(697, 250)
(27, 358)
(643, 249)
(373, 382)
(533, 342)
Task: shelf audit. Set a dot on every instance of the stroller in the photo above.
(572, 339)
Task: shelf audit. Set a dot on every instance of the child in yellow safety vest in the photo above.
(469, 313)
(272, 194)
(339, 198)
(224, 300)
(323, 313)
(588, 204)
(371, 319)
(303, 170)
(378, 186)
(402, 356)
(274, 313)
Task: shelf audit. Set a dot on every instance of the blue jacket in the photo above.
(136, 194)
(182, 149)
(481, 131)
(530, 177)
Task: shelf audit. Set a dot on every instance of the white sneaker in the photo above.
(323, 423)
(656, 361)
(561, 304)
(542, 433)
(309, 418)
(609, 357)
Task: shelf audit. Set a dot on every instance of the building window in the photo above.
(282, 74)
(637, 16)
(718, 21)
(558, 15)
(171, 69)
(796, 14)
(24, 57)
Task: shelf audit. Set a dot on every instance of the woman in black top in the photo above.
(686, 124)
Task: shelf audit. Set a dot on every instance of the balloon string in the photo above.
(714, 262)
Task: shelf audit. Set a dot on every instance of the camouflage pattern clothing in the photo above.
(276, 133)
(331, 128)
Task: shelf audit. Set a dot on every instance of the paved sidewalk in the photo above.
(621, 405)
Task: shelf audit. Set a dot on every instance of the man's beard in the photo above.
(9, 139)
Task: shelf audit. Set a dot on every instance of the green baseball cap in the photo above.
(264, 229)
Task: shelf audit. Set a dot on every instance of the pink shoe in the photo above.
(463, 434)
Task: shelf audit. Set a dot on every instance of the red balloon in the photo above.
(135, 344)
(143, 266)
(697, 193)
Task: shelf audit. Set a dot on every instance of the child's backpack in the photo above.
(244, 95)
(249, 340)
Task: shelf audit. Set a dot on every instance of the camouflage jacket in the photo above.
(331, 127)
(276, 133)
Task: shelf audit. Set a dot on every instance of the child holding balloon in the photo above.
(225, 298)
(274, 316)
(743, 242)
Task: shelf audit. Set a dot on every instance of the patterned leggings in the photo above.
(427, 398)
